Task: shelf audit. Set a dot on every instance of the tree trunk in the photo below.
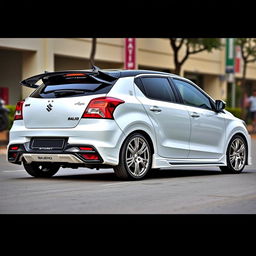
(177, 65)
(177, 69)
(244, 77)
(93, 51)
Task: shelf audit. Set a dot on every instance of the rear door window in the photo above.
(157, 88)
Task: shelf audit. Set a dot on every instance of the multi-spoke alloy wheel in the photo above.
(135, 158)
(236, 155)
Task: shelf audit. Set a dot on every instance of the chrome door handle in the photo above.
(155, 109)
(194, 114)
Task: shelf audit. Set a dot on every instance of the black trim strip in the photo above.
(192, 163)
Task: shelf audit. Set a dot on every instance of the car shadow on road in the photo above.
(180, 173)
(153, 174)
(109, 176)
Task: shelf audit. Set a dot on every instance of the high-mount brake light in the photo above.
(18, 111)
(102, 107)
(74, 74)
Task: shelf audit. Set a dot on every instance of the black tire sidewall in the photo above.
(33, 169)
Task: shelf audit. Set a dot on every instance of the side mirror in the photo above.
(219, 105)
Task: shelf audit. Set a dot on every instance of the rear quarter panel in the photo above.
(131, 115)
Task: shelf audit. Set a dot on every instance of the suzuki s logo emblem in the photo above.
(49, 107)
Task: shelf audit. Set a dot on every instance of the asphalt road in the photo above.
(82, 191)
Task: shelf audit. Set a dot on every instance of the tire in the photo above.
(135, 158)
(41, 170)
(236, 156)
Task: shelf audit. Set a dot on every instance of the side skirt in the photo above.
(159, 162)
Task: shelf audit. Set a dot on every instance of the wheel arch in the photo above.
(246, 143)
(146, 135)
(121, 169)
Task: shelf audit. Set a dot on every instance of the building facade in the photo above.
(24, 57)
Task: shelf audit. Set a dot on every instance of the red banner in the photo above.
(130, 53)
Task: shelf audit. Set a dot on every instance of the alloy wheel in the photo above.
(137, 156)
(237, 154)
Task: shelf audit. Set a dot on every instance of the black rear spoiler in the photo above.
(95, 74)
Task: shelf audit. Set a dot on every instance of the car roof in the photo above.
(129, 73)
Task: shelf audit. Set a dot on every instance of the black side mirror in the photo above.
(219, 105)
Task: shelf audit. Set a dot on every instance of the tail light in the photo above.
(103, 107)
(18, 111)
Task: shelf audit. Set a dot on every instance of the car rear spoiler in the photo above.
(95, 74)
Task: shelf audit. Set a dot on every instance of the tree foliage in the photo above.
(248, 52)
(248, 48)
(191, 46)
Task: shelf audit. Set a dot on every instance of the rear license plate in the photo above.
(47, 143)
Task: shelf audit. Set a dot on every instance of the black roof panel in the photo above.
(128, 73)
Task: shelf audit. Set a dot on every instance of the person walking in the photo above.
(252, 102)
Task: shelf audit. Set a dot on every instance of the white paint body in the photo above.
(178, 139)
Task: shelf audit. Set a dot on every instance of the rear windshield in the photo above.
(71, 88)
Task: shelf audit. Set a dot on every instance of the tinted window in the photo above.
(158, 88)
(71, 88)
(191, 95)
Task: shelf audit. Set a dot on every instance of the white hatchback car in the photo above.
(128, 120)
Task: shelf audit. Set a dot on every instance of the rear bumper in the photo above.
(104, 136)
(70, 154)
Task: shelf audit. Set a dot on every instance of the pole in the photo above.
(233, 96)
(230, 52)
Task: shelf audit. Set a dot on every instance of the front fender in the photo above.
(235, 127)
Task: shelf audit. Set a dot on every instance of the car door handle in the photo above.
(194, 114)
(155, 109)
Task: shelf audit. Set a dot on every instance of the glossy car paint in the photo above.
(181, 135)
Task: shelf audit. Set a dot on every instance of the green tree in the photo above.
(191, 46)
(248, 52)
